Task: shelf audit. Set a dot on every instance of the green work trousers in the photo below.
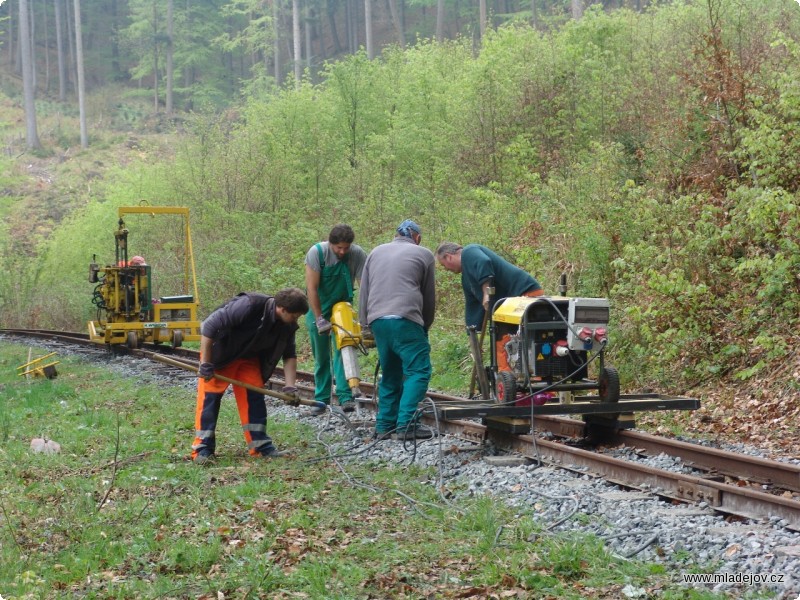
(321, 348)
(405, 355)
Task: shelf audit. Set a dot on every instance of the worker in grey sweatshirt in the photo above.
(397, 304)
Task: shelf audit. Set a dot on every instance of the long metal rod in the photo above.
(279, 395)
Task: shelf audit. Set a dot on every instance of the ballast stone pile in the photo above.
(688, 538)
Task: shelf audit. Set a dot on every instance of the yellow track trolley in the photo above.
(126, 311)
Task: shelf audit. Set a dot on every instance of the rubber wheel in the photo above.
(133, 340)
(506, 387)
(177, 338)
(608, 385)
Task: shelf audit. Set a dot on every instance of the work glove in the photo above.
(291, 390)
(206, 370)
(323, 325)
(367, 338)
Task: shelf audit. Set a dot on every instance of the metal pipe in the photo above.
(279, 395)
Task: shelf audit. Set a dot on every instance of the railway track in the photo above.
(730, 483)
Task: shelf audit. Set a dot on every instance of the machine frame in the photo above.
(123, 294)
(556, 340)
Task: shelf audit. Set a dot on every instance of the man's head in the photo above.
(410, 229)
(340, 239)
(290, 304)
(449, 256)
(137, 261)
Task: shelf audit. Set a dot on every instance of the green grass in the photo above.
(157, 526)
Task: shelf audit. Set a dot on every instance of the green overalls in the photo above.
(335, 285)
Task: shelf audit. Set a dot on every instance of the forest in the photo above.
(645, 149)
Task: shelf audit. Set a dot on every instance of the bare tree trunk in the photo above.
(307, 37)
(298, 67)
(577, 9)
(440, 21)
(397, 22)
(534, 14)
(155, 57)
(10, 36)
(81, 83)
(29, 91)
(32, 34)
(72, 68)
(330, 9)
(170, 32)
(46, 49)
(62, 67)
(482, 17)
(368, 28)
(348, 25)
(276, 42)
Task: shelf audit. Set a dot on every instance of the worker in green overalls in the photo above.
(333, 268)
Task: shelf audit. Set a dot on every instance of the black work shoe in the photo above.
(348, 406)
(414, 433)
(382, 435)
(316, 411)
(204, 458)
(274, 453)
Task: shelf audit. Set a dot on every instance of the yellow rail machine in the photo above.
(126, 311)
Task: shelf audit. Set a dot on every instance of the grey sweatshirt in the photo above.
(398, 280)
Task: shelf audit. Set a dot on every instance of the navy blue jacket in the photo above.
(246, 327)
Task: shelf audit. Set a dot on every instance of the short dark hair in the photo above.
(341, 233)
(292, 300)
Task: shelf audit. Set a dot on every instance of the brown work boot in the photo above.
(274, 453)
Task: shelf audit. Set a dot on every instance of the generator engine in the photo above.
(123, 291)
(545, 344)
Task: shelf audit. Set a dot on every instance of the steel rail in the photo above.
(739, 499)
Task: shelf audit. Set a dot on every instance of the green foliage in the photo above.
(600, 148)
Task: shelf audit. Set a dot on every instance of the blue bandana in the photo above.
(408, 226)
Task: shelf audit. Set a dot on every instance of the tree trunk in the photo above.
(440, 21)
(155, 57)
(307, 37)
(46, 49)
(29, 91)
(62, 63)
(368, 28)
(534, 14)
(11, 56)
(71, 66)
(331, 10)
(170, 31)
(81, 83)
(298, 67)
(482, 17)
(32, 36)
(397, 22)
(577, 9)
(276, 42)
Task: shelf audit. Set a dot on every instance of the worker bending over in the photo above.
(244, 339)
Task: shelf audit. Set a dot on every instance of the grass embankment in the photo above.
(121, 512)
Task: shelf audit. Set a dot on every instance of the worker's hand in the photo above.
(485, 302)
(291, 390)
(323, 325)
(206, 370)
(367, 338)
